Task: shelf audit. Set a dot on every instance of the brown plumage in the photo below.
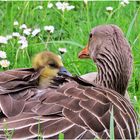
(90, 77)
(79, 109)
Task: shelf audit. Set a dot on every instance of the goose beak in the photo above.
(63, 70)
(84, 53)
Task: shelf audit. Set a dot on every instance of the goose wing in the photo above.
(76, 108)
(15, 90)
(19, 79)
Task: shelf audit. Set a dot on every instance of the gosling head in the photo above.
(110, 50)
(50, 65)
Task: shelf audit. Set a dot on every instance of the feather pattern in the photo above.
(82, 113)
(71, 105)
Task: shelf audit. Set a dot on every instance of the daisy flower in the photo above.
(4, 63)
(16, 23)
(2, 54)
(49, 28)
(27, 31)
(15, 34)
(109, 8)
(62, 50)
(50, 5)
(35, 32)
(40, 7)
(70, 7)
(124, 2)
(64, 6)
(3, 40)
(23, 26)
(23, 41)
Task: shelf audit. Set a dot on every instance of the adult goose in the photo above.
(78, 108)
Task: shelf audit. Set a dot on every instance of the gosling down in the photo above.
(73, 106)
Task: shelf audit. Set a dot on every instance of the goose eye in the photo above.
(90, 35)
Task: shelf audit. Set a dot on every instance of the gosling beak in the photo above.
(63, 70)
(84, 53)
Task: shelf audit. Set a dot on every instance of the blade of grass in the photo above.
(132, 23)
(61, 136)
(39, 132)
(62, 42)
(112, 125)
(8, 133)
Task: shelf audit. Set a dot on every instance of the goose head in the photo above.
(49, 65)
(111, 52)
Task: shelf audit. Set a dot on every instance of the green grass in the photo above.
(61, 136)
(112, 124)
(71, 31)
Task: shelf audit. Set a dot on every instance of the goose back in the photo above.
(73, 106)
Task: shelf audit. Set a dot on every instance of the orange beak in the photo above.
(84, 53)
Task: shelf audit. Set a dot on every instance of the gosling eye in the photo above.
(52, 65)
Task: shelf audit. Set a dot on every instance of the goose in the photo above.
(73, 106)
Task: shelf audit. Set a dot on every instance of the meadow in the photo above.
(27, 28)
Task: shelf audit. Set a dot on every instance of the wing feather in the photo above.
(11, 107)
(77, 108)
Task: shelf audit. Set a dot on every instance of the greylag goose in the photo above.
(74, 106)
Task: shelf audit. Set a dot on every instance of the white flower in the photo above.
(86, 2)
(15, 34)
(25, 45)
(40, 7)
(35, 32)
(135, 97)
(3, 40)
(15, 23)
(50, 5)
(70, 7)
(62, 6)
(49, 28)
(27, 31)
(23, 26)
(22, 38)
(2, 54)
(62, 50)
(9, 37)
(23, 41)
(124, 2)
(59, 5)
(109, 8)
(4, 63)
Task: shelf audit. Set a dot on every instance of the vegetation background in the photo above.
(71, 32)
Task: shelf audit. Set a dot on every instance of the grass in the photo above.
(71, 32)
(112, 125)
(61, 136)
